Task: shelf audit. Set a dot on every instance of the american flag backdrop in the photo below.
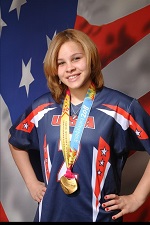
(121, 31)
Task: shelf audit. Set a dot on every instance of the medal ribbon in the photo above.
(70, 148)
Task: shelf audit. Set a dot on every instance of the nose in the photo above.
(70, 67)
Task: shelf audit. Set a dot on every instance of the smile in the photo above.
(72, 77)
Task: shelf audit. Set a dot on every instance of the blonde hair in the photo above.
(51, 67)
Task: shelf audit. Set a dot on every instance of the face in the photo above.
(72, 66)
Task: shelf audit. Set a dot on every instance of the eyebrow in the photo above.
(78, 53)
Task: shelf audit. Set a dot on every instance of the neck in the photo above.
(78, 95)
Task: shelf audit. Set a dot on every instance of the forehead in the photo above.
(70, 47)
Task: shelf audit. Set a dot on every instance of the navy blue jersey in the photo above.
(116, 125)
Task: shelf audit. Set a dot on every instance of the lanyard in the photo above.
(70, 149)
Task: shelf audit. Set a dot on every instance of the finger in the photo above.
(110, 203)
(44, 189)
(110, 208)
(37, 199)
(118, 215)
(43, 193)
(110, 196)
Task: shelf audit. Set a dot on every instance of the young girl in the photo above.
(84, 132)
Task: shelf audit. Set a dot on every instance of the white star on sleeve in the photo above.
(27, 77)
(16, 4)
(104, 150)
(2, 23)
(25, 125)
(138, 132)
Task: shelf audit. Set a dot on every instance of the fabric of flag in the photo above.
(121, 31)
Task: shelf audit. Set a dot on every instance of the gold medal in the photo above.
(69, 185)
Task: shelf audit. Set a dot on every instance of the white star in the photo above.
(99, 172)
(16, 4)
(2, 23)
(49, 41)
(102, 163)
(138, 132)
(25, 125)
(27, 77)
(104, 151)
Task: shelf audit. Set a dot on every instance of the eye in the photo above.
(76, 58)
(60, 63)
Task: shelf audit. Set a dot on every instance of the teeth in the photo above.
(72, 77)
